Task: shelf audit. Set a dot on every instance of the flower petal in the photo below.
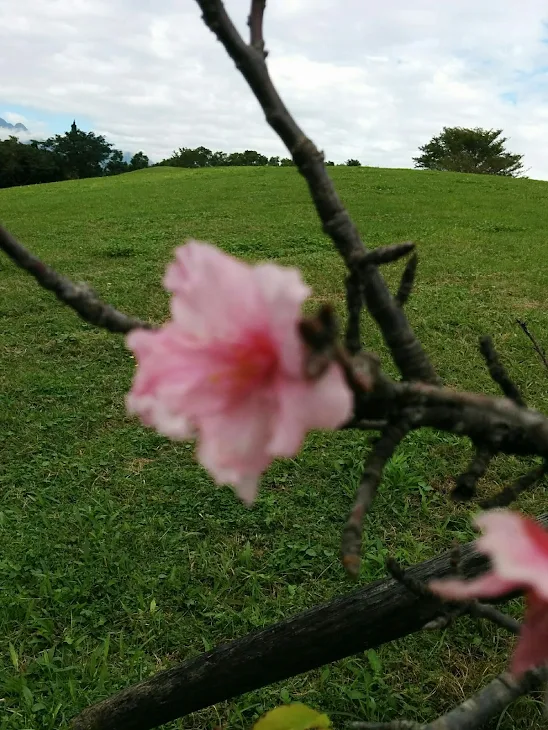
(517, 546)
(215, 294)
(489, 585)
(532, 648)
(309, 404)
(284, 292)
(233, 445)
(183, 377)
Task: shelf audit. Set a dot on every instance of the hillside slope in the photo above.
(117, 555)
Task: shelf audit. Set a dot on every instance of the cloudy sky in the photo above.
(365, 79)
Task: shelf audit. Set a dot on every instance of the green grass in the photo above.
(119, 558)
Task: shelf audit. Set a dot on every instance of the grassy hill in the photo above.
(117, 555)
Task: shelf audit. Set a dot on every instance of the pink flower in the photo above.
(228, 367)
(518, 548)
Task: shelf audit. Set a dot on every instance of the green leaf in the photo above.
(293, 717)
(374, 661)
(14, 657)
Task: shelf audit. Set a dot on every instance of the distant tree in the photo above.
(203, 157)
(329, 163)
(353, 163)
(286, 162)
(249, 158)
(219, 159)
(116, 163)
(273, 162)
(26, 164)
(189, 157)
(139, 161)
(458, 149)
(81, 154)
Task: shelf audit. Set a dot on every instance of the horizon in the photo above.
(372, 86)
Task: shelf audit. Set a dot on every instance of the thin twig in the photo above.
(510, 494)
(465, 488)
(407, 281)
(387, 254)
(354, 302)
(472, 608)
(490, 613)
(498, 372)
(79, 297)
(474, 712)
(407, 352)
(537, 348)
(388, 442)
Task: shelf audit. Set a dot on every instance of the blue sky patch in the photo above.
(38, 119)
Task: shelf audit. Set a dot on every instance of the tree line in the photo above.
(69, 156)
(77, 154)
(204, 157)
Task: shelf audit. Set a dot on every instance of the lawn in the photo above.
(119, 558)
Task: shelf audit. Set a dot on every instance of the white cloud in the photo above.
(371, 81)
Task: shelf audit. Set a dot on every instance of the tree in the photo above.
(139, 161)
(459, 149)
(273, 162)
(218, 159)
(329, 163)
(353, 163)
(286, 162)
(27, 164)
(249, 158)
(82, 154)
(116, 163)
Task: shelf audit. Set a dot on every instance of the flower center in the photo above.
(249, 364)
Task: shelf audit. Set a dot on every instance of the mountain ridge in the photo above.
(17, 127)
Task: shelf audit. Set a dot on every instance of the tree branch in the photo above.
(255, 22)
(498, 372)
(354, 302)
(376, 614)
(536, 347)
(407, 352)
(390, 439)
(407, 281)
(473, 608)
(465, 488)
(509, 494)
(79, 297)
(474, 712)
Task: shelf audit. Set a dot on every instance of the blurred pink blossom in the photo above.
(227, 367)
(518, 549)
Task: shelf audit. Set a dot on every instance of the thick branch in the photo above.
(497, 423)
(407, 352)
(376, 614)
(79, 297)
